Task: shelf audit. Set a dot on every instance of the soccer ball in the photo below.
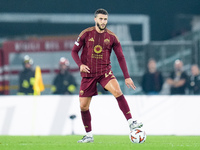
(137, 136)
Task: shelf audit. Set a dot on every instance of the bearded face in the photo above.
(102, 26)
(101, 21)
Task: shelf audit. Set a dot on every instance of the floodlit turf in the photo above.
(107, 142)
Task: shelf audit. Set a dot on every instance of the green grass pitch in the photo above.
(101, 142)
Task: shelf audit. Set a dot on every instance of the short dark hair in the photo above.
(100, 11)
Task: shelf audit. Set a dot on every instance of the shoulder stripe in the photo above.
(110, 32)
(86, 30)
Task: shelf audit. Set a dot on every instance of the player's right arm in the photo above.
(79, 43)
(84, 68)
(77, 46)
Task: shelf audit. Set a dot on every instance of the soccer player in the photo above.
(97, 43)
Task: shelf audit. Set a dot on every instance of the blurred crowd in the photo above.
(152, 82)
(178, 83)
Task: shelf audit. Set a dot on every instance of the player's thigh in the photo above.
(113, 87)
(88, 87)
(85, 103)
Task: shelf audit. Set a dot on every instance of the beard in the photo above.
(98, 25)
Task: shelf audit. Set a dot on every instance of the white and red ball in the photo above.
(137, 136)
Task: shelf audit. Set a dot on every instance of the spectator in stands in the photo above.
(64, 82)
(26, 77)
(177, 79)
(194, 80)
(152, 80)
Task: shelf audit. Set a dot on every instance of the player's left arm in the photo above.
(122, 62)
(121, 59)
(129, 83)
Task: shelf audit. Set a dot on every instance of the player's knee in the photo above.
(84, 107)
(117, 93)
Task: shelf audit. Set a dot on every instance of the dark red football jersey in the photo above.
(96, 51)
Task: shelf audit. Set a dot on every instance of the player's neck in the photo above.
(98, 30)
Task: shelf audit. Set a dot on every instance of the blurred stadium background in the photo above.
(161, 29)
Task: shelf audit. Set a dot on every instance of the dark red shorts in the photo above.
(88, 85)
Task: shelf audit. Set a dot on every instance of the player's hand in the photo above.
(84, 68)
(129, 83)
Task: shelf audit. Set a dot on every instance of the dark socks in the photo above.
(123, 105)
(86, 118)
